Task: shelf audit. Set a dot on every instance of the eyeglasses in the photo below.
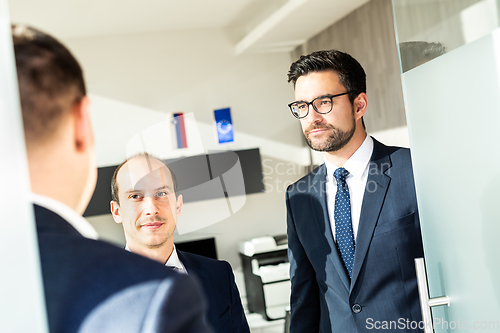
(321, 104)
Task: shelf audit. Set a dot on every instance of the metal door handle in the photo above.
(427, 303)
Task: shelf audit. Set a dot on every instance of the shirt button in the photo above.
(356, 308)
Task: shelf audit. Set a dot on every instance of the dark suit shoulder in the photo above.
(58, 239)
(396, 151)
(81, 274)
(212, 273)
(225, 312)
(399, 152)
(391, 157)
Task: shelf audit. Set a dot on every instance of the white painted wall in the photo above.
(142, 129)
(135, 81)
(193, 71)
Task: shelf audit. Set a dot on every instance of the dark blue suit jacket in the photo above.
(92, 286)
(383, 286)
(225, 312)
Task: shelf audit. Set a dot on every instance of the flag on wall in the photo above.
(224, 125)
(179, 130)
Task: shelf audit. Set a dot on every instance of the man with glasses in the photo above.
(353, 225)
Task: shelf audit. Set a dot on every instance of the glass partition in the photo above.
(450, 60)
(427, 29)
(22, 304)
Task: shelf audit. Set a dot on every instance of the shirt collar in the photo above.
(67, 213)
(357, 163)
(175, 262)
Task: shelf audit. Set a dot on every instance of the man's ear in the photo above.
(360, 103)
(83, 128)
(179, 204)
(115, 211)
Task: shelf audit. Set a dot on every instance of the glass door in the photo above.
(22, 304)
(450, 57)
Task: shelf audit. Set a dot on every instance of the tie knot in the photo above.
(340, 175)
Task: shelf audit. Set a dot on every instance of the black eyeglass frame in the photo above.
(314, 107)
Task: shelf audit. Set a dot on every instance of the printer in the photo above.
(266, 271)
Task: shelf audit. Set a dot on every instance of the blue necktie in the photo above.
(343, 224)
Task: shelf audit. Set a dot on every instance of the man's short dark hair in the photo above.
(50, 81)
(351, 75)
(114, 183)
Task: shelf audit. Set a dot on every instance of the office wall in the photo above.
(368, 35)
(193, 71)
(137, 79)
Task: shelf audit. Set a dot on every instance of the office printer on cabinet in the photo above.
(267, 278)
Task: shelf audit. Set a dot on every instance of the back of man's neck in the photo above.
(50, 176)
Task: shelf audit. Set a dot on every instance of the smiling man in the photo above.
(352, 223)
(146, 201)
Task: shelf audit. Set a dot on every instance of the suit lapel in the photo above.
(322, 221)
(375, 191)
(191, 266)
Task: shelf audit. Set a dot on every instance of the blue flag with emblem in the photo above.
(224, 126)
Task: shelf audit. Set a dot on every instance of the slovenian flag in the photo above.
(179, 129)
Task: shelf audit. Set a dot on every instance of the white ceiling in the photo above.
(254, 25)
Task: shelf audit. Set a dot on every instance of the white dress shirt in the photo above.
(173, 261)
(76, 220)
(357, 165)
